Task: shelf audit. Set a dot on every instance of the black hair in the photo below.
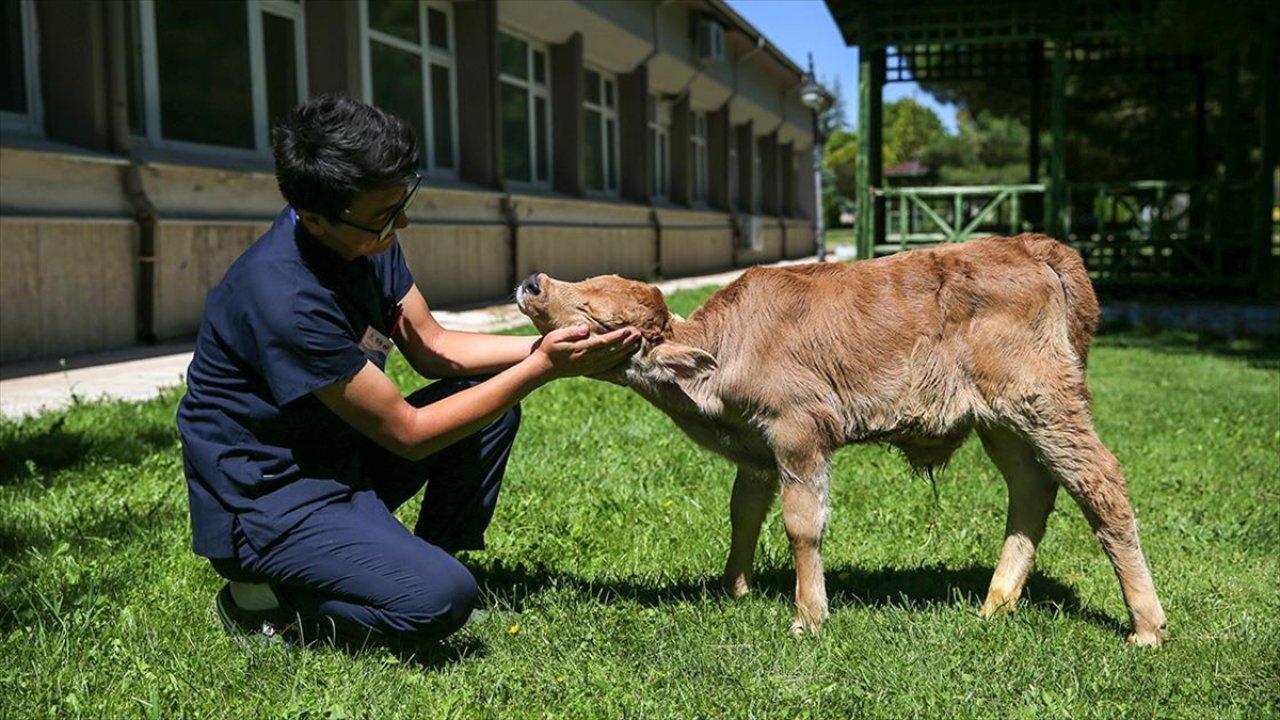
(331, 148)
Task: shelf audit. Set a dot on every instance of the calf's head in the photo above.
(610, 302)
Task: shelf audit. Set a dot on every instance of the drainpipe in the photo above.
(144, 211)
(511, 217)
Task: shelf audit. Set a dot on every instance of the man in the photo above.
(297, 448)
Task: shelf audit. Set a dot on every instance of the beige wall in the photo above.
(799, 240)
(190, 259)
(695, 242)
(65, 287)
(68, 282)
(458, 264)
(693, 252)
(574, 253)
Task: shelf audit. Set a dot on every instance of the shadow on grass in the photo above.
(113, 531)
(1262, 353)
(47, 445)
(425, 656)
(915, 588)
(93, 581)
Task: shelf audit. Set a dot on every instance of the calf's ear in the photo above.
(675, 362)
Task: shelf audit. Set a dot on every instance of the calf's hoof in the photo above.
(997, 604)
(808, 622)
(1147, 637)
(735, 585)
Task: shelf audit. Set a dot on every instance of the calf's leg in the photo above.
(753, 492)
(1071, 450)
(805, 509)
(1032, 490)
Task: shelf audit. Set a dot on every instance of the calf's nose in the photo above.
(532, 285)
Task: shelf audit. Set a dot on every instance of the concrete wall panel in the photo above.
(696, 251)
(47, 183)
(457, 265)
(575, 253)
(66, 288)
(799, 240)
(191, 259)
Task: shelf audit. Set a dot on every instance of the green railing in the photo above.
(1148, 232)
(1131, 233)
(923, 216)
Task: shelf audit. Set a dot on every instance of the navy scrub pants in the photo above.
(354, 564)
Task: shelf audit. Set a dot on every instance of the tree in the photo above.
(909, 127)
(834, 117)
(839, 167)
(986, 150)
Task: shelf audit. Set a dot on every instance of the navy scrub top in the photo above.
(259, 450)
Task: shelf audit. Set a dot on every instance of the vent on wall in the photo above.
(710, 41)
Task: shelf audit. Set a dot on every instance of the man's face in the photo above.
(372, 210)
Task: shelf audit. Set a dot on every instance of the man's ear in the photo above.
(312, 221)
(680, 363)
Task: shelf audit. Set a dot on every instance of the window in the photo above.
(659, 112)
(409, 70)
(757, 179)
(215, 74)
(698, 155)
(19, 81)
(524, 75)
(600, 131)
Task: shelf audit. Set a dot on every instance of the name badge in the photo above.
(375, 343)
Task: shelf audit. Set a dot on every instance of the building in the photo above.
(639, 137)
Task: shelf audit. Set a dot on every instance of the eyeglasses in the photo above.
(389, 226)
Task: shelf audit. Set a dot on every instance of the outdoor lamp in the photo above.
(816, 98)
(812, 94)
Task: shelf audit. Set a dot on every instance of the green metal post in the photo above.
(902, 221)
(1265, 189)
(870, 147)
(1228, 245)
(1035, 59)
(1057, 212)
(957, 220)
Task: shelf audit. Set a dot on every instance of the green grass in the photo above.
(839, 236)
(604, 555)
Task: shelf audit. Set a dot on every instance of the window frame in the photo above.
(607, 113)
(699, 168)
(153, 129)
(534, 91)
(428, 55)
(31, 121)
(660, 146)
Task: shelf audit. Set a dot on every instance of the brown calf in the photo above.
(784, 365)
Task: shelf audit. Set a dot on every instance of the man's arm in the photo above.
(436, 352)
(372, 404)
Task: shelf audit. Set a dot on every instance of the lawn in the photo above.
(602, 573)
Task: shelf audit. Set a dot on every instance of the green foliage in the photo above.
(835, 117)
(839, 167)
(909, 128)
(986, 150)
(602, 562)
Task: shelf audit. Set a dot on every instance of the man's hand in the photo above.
(572, 351)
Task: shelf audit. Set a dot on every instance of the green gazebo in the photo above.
(1207, 224)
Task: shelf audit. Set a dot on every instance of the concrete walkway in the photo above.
(141, 373)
